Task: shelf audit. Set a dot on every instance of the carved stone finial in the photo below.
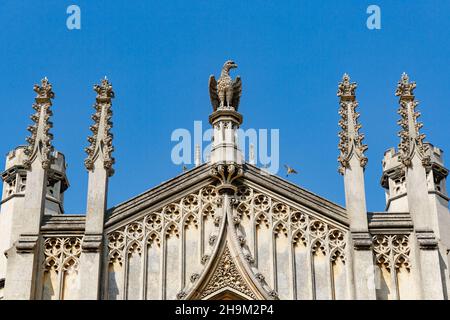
(39, 143)
(101, 138)
(104, 91)
(44, 91)
(350, 139)
(405, 89)
(225, 94)
(411, 140)
(346, 89)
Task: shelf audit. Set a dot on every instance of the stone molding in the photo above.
(361, 240)
(390, 222)
(68, 224)
(426, 240)
(92, 242)
(27, 243)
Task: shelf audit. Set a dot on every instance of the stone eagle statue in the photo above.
(225, 93)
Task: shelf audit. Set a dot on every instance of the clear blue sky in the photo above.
(159, 55)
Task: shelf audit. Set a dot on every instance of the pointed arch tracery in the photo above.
(172, 243)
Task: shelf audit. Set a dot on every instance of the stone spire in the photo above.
(352, 162)
(22, 256)
(99, 165)
(40, 142)
(101, 138)
(411, 140)
(415, 159)
(350, 143)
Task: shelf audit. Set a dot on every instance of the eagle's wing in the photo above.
(237, 91)
(215, 102)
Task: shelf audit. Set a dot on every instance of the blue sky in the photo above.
(159, 55)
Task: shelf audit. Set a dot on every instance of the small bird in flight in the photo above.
(289, 170)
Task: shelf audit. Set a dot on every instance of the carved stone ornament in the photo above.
(225, 94)
(162, 223)
(39, 143)
(273, 294)
(181, 295)
(205, 259)
(392, 251)
(350, 139)
(101, 139)
(411, 140)
(284, 220)
(194, 277)
(227, 174)
(62, 253)
(227, 275)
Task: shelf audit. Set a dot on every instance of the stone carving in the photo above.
(165, 222)
(260, 277)
(62, 254)
(392, 251)
(225, 93)
(226, 275)
(10, 187)
(181, 294)
(101, 138)
(227, 174)
(39, 143)
(205, 259)
(116, 244)
(194, 277)
(350, 139)
(411, 140)
(311, 231)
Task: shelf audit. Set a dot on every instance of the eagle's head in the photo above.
(228, 65)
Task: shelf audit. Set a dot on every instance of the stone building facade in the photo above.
(225, 229)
